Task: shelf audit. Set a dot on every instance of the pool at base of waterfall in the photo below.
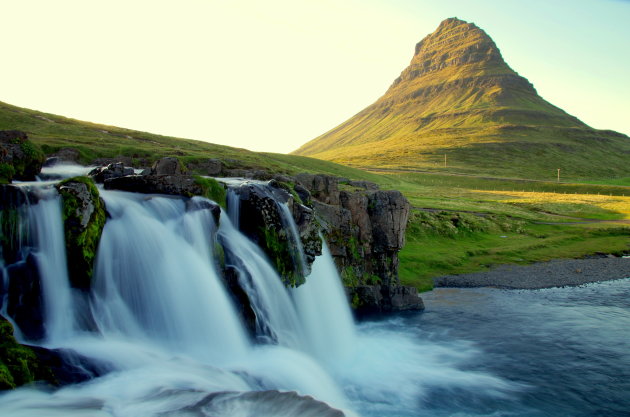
(474, 352)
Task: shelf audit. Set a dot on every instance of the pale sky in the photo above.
(271, 75)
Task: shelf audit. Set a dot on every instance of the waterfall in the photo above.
(46, 220)
(324, 312)
(296, 249)
(156, 279)
(40, 233)
(276, 315)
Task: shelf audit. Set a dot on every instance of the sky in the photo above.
(271, 75)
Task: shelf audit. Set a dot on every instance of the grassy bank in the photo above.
(465, 226)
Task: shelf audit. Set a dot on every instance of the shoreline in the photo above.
(554, 273)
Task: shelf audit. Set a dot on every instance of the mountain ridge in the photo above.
(456, 95)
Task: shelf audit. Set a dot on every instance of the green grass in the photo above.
(426, 257)
(486, 207)
(52, 132)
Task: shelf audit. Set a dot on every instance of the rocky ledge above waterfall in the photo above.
(363, 225)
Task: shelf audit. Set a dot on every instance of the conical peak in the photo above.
(454, 43)
(453, 34)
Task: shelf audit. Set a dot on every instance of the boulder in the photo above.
(379, 299)
(184, 185)
(114, 170)
(19, 158)
(84, 218)
(212, 167)
(167, 166)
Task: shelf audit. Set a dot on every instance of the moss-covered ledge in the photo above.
(84, 218)
(19, 365)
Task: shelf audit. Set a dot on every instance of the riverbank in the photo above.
(555, 273)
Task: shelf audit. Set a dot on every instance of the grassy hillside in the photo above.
(52, 133)
(458, 99)
(459, 223)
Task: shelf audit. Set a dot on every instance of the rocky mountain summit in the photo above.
(459, 98)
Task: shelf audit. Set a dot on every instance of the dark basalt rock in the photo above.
(379, 299)
(166, 176)
(114, 170)
(261, 220)
(67, 367)
(25, 304)
(365, 230)
(197, 203)
(184, 185)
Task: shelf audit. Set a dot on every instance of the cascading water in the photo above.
(41, 226)
(46, 220)
(169, 336)
(276, 315)
(159, 284)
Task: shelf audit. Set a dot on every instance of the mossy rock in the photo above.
(84, 218)
(276, 245)
(19, 157)
(212, 190)
(19, 365)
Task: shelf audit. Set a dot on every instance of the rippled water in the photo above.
(564, 351)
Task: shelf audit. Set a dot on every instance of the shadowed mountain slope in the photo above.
(459, 98)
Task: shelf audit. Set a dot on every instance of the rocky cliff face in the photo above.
(365, 230)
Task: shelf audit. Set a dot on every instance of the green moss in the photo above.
(81, 243)
(6, 173)
(349, 277)
(212, 190)
(355, 303)
(19, 364)
(9, 229)
(277, 248)
(219, 255)
(353, 246)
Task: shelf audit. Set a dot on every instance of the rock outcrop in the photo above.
(263, 211)
(365, 230)
(84, 219)
(114, 170)
(19, 158)
(168, 176)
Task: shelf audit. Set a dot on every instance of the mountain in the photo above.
(459, 100)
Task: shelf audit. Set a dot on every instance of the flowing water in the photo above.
(167, 332)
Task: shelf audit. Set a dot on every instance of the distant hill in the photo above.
(95, 142)
(458, 98)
